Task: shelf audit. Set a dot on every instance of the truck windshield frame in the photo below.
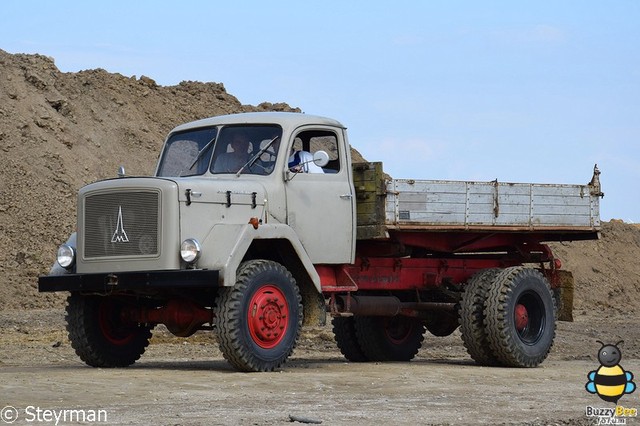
(220, 150)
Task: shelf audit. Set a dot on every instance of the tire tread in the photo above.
(345, 334)
(472, 306)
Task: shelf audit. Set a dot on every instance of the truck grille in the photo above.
(121, 224)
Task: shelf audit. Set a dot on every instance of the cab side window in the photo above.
(311, 141)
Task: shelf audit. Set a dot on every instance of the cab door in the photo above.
(321, 205)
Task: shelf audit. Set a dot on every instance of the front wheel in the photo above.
(520, 319)
(259, 319)
(99, 335)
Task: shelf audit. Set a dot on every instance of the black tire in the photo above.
(99, 336)
(442, 324)
(259, 318)
(389, 338)
(345, 333)
(472, 306)
(525, 342)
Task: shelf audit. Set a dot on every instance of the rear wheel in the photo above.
(344, 331)
(259, 318)
(389, 338)
(99, 335)
(520, 317)
(472, 306)
(442, 324)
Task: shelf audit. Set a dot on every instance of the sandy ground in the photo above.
(187, 382)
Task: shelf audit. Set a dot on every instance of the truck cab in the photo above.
(264, 184)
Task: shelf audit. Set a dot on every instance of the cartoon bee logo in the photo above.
(610, 381)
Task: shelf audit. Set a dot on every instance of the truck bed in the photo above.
(561, 210)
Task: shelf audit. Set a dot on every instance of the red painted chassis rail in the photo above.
(425, 260)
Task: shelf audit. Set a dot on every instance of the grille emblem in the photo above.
(120, 236)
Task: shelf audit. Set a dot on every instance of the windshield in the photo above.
(237, 146)
(226, 150)
(187, 153)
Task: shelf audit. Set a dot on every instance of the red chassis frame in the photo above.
(440, 259)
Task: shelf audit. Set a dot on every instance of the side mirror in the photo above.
(320, 158)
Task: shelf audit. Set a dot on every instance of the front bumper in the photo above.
(130, 281)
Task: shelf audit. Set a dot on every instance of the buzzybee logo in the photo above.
(610, 382)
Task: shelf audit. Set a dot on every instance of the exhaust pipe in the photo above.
(387, 306)
(374, 306)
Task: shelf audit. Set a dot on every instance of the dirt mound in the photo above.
(60, 131)
(606, 272)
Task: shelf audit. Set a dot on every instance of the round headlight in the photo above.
(190, 250)
(66, 256)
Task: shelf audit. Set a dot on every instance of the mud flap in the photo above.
(563, 294)
(315, 311)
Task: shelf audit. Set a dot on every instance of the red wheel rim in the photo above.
(111, 324)
(398, 329)
(268, 316)
(521, 317)
(529, 317)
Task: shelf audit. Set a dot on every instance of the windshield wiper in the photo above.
(253, 159)
(202, 151)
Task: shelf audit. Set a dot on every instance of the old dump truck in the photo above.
(254, 238)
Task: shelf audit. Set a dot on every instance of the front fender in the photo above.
(226, 245)
(56, 269)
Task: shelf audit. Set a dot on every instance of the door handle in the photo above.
(346, 196)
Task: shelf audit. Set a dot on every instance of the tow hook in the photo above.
(112, 280)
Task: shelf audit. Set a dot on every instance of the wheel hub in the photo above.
(268, 316)
(398, 329)
(111, 324)
(522, 317)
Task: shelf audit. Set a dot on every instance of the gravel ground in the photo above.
(187, 382)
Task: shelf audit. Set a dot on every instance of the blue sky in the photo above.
(526, 91)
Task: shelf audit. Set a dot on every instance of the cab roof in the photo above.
(287, 120)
